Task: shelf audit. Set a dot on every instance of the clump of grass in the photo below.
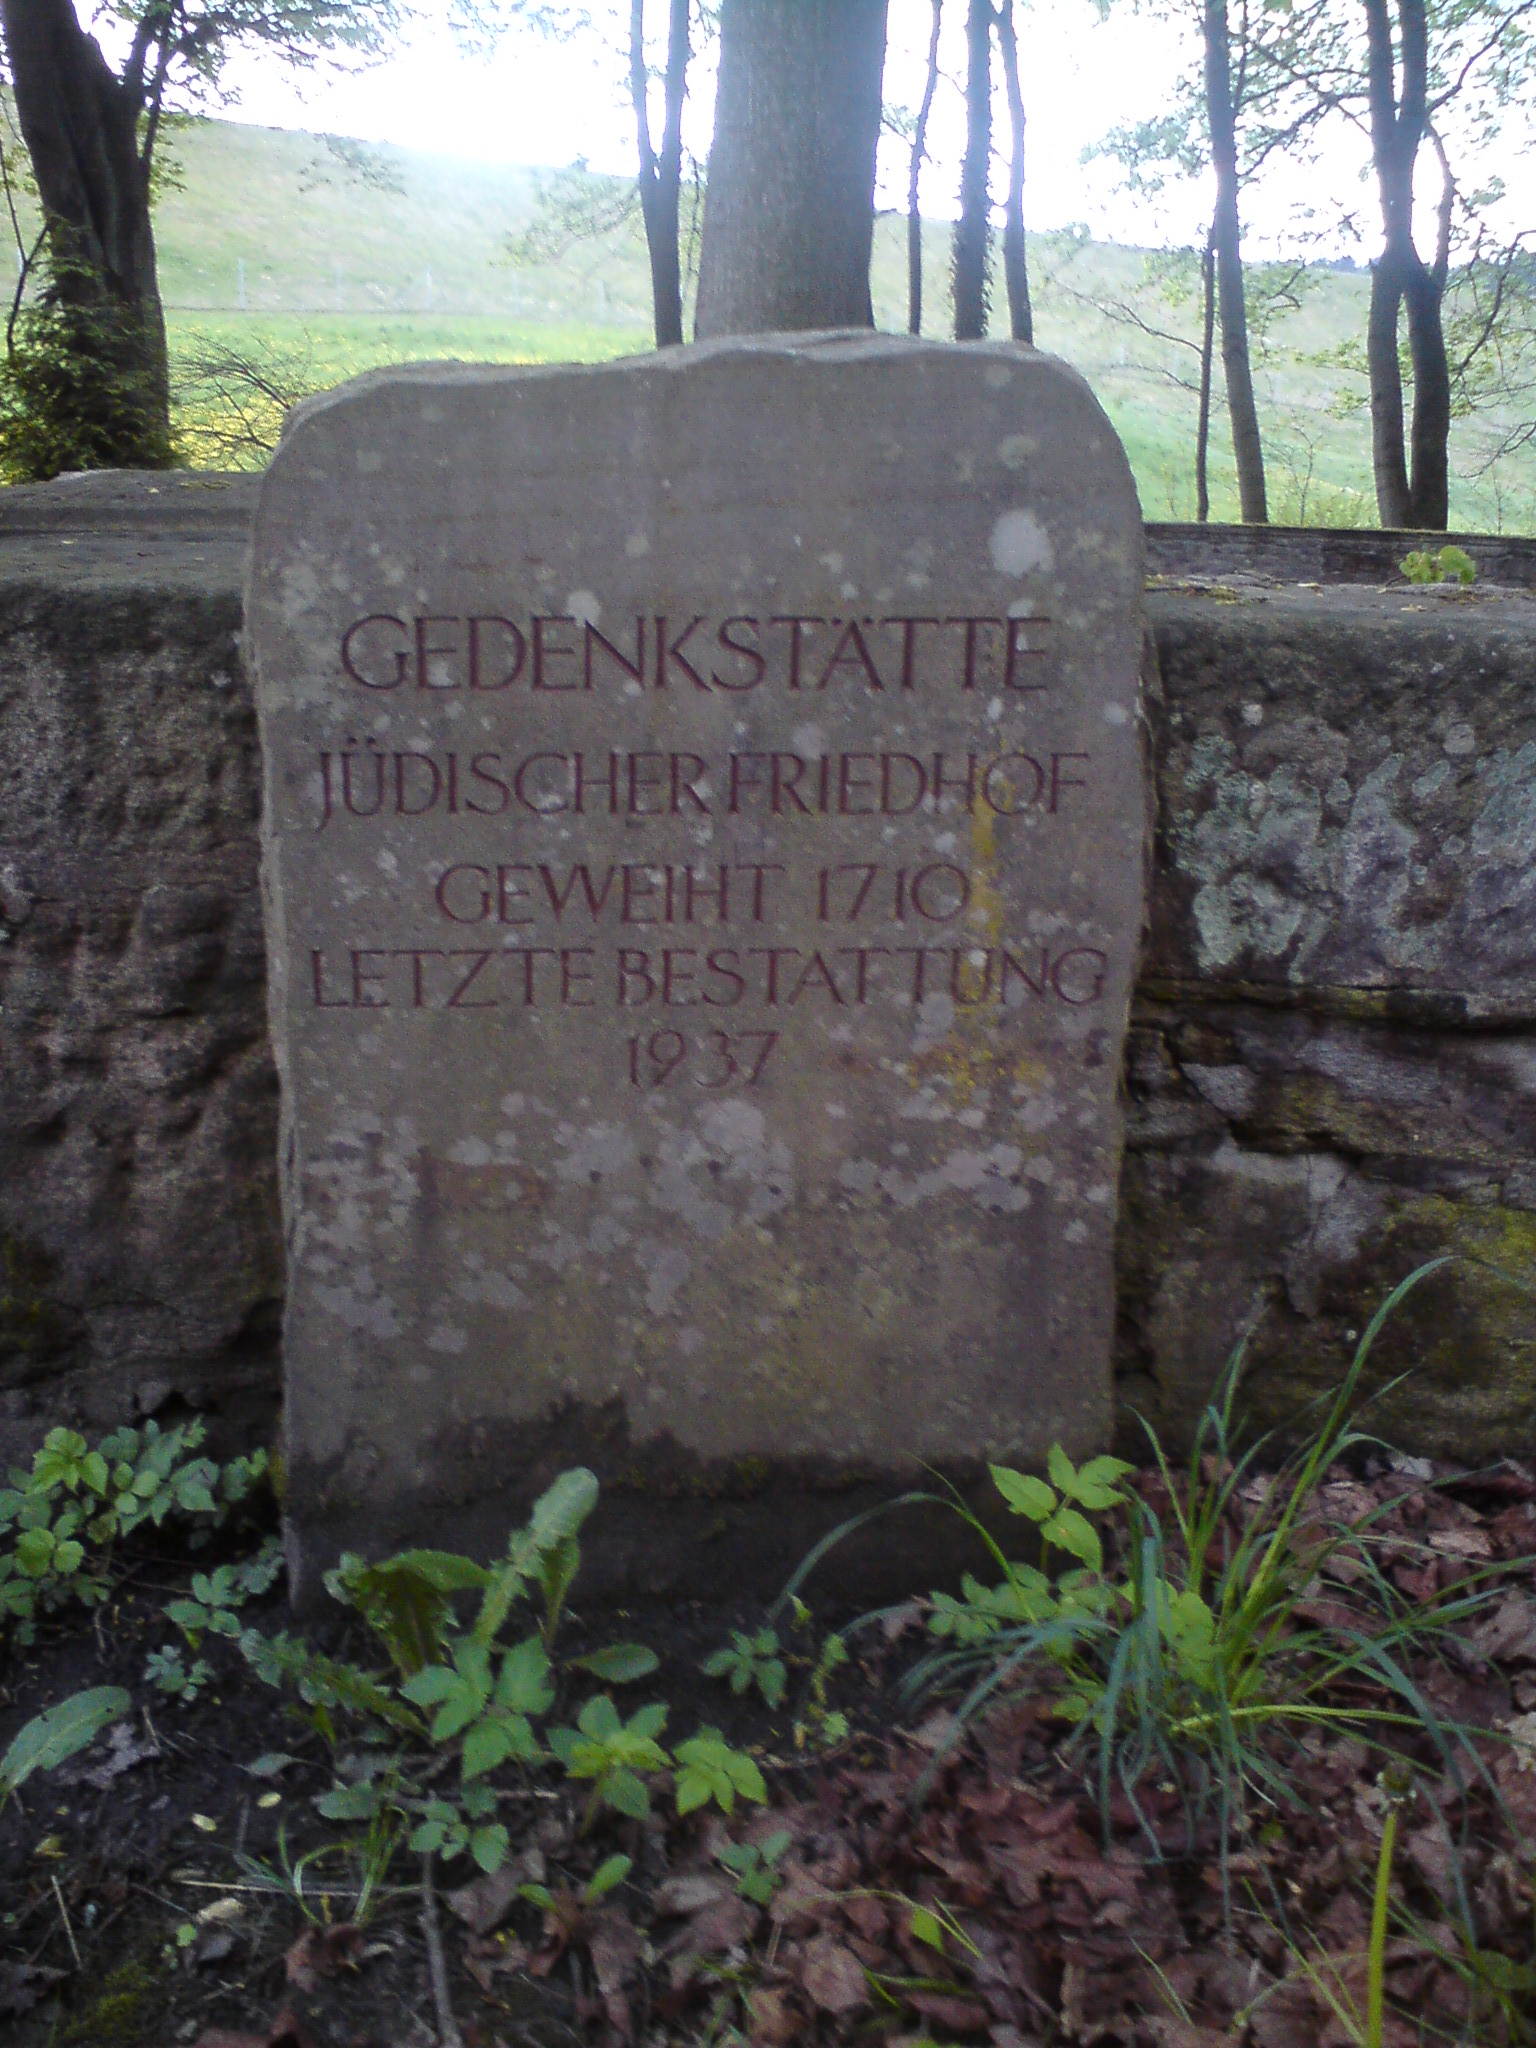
(1198, 1661)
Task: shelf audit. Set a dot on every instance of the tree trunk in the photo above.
(661, 177)
(789, 208)
(1207, 350)
(80, 125)
(919, 151)
(1226, 239)
(973, 230)
(1015, 256)
(1400, 279)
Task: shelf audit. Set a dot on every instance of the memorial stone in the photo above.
(705, 831)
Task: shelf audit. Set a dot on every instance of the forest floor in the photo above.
(915, 1881)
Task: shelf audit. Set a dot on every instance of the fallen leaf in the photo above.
(485, 1903)
(320, 1951)
(613, 1943)
(834, 1977)
(687, 1893)
(124, 1751)
(773, 2021)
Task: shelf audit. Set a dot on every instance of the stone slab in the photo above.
(1347, 797)
(705, 845)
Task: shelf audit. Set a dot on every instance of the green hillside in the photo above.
(290, 261)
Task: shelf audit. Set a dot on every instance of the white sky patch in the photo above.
(539, 101)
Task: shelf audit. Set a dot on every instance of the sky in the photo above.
(535, 100)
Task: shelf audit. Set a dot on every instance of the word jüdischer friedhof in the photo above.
(705, 828)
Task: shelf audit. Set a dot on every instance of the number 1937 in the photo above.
(715, 1059)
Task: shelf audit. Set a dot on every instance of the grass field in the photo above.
(293, 261)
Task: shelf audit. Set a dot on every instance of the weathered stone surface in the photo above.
(1264, 1118)
(705, 877)
(138, 1242)
(1321, 825)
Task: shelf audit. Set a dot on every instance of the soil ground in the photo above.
(144, 1900)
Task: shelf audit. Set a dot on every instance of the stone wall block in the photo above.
(1331, 1072)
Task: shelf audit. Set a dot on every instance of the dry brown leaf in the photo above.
(773, 2020)
(483, 1904)
(320, 1951)
(833, 1977)
(613, 1944)
(690, 1892)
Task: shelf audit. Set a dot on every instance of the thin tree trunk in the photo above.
(1412, 482)
(1207, 350)
(789, 209)
(80, 125)
(661, 178)
(1226, 238)
(1015, 255)
(1430, 439)
(919, 152)
(973, 230)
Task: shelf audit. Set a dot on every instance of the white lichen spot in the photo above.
(636, 545)
(998, 377)
(1020, 543)
(1253, 714)
(448, 1337)
(809, 738)
(1115, 714)
(1460, 740)
(583, 607)
(470, 1152)
(832, 562)
(301, 592)
(1014, 451)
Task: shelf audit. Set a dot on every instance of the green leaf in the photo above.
(430, 1686)
(1062, 1470)
(1024, 1494)
(1098, 1483)
(560, 1512)
(607, 1877)
(349, 1802)
(626, 1794)
(619, 1663)
(488, 1846)
(496, 1739)
(924, 1925)
(599, 1718)
(406, 1600)
(648, 1723)
(59, 1732)
(1073, 1533)
(524, 1684)
(1189, 1629)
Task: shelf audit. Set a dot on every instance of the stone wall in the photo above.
(1332, 1067)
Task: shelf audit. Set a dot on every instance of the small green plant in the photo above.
(607, 1877)
(1194, 1661)
(52, 1737)
(755, 1866)
(816, 1722)
(709, 1769)
(166, 1671)
(81, 382)
(1449, 564)
(615, 1756)
(457, 1691)
(219, 1595)
(750, 1661)
(60, 1521)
